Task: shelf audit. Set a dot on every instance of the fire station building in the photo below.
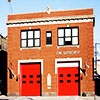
(51, 53)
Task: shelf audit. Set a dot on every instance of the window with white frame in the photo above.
(30, 38)
(68, 36)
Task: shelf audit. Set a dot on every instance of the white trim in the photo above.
(68, 46)
(48, 45)
(79, 17)
(49, 87)
(48, 22)
(67, 59)
(30, 48)
(30, 61)
(75, 64)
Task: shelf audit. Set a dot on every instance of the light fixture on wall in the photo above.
(83, 71)
(86, 65)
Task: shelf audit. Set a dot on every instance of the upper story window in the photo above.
(68, 36)
(30, 38)
(48, 38)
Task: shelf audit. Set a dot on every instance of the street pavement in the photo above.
(49, 98)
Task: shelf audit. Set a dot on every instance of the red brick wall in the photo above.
(52, 14)
(48, 53)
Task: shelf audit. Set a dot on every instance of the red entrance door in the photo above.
(30, 80)
(68, 81)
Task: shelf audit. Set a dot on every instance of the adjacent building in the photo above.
(51, 53)
(3, 65)
(3, 43)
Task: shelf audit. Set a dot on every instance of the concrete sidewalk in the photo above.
(49, 98)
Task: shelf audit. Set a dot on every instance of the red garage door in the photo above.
(30, 80)
(68, 81)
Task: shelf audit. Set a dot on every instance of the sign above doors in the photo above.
(67, 52)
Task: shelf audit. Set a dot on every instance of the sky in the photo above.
(26, 6)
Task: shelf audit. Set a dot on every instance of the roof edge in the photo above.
(51, 11)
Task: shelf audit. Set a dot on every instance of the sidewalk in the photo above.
(49, 98)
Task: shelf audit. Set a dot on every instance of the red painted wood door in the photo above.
(68, 81)
(30, 80)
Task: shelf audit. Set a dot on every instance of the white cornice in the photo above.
(51, 20)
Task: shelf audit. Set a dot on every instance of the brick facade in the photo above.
(49, 53)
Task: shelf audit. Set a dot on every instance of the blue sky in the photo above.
(26, 6)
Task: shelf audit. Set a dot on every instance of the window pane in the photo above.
(23, 43)
(49, 34)
(23, 35)
(67, 39)
(60, 32)
(30, 43)
(75, 32)
(37, 42)
(67, 32)
(30, 34)
(61, 41)
(49, 41)
(37, 34)
(75, 40)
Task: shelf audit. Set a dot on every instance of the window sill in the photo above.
(30, 48)
(48, 45)
(68, 46)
